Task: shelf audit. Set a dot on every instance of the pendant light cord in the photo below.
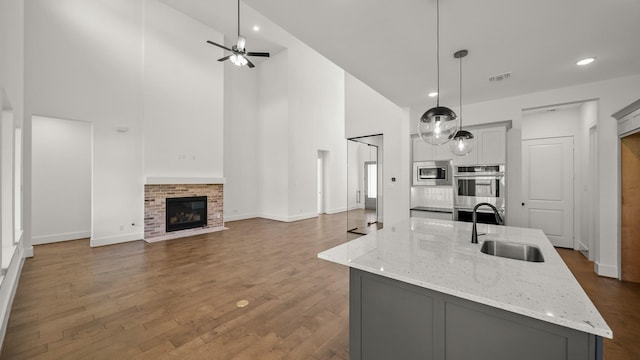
(438, 49)
(238, 18)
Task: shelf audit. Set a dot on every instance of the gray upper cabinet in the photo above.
(490, 147)
(423, 151)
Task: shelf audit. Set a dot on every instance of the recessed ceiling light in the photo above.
(256, 28)
(586, 61)
(433, 94)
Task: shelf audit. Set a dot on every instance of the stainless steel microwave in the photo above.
(432, 173)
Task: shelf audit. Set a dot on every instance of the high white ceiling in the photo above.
(390, 45)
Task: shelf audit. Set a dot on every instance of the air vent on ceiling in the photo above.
(499, 77)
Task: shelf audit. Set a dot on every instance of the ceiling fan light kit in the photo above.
(239, 53)
(437, 125)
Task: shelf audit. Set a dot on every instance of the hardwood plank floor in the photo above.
(617, 301)
(177, 299)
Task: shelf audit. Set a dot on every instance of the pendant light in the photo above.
(461, 141)
(437, 125)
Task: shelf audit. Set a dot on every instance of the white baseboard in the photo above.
(581, 246)
(111, 240)
(288, 218)
(239, 217)
(28, 252)
(606, 270)
(8, 289)
(48, 239)
(335, 211)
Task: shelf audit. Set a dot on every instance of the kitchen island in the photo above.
(421, 290)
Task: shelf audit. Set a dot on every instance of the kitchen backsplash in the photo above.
(432, 196)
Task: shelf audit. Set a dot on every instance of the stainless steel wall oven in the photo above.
(476, 184)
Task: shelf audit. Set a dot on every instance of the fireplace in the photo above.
(186, 213)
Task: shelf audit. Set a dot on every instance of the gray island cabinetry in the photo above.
(421, 290)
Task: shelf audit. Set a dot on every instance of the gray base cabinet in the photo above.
(390, 319)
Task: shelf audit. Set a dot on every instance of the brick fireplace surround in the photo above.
(155, 205)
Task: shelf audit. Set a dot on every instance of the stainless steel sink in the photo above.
(512, 250)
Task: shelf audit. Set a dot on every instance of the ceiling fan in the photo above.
(239, 53)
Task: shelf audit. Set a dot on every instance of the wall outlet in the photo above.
(218, 215)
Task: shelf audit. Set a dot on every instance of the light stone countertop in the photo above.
(438, 255)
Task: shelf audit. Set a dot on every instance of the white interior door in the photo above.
(547, 172)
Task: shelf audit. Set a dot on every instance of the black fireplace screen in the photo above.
(186, 213)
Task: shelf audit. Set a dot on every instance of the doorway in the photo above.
(630, 207)
(61, 186)
(364, 172)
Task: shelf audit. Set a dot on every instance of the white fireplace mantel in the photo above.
(162, 180)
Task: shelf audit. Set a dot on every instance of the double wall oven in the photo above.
(475, 184)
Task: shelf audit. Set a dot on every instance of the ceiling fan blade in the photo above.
(249, 63)
(261, 54)
(224, 58)
(218, 45)
(241, 43)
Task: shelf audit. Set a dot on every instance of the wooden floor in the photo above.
(617, 301)
(177, 299)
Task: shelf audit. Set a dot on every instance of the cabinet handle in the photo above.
(522, 204)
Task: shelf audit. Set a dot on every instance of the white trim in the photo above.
(47, 239)
(606, 270)
(289, 218)
(335, 211)
(18, 235)
(8, 290)
(183, 234)
(161, 180)
(580, 246)
(239, 217)
(28, 252)
(110, 240)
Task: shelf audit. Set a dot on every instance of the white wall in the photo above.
(316, 122)
(273, 138)
(61, 186)
(12, 100)
(183, 96)
(589, 223)
(369, 113)
(300, 112)
(83, 61)
(241, 142)
(612, 95)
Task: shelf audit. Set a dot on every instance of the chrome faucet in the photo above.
(474, 232)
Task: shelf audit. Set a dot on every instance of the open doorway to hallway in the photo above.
(61, 186)
(558, 165)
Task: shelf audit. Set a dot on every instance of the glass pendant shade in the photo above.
(461, 143)
(437, 125)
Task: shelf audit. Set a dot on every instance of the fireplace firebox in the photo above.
(186, 213)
